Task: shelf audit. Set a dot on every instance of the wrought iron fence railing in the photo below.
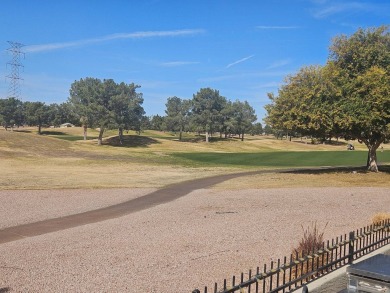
(294, 271)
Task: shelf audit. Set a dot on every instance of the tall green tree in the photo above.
(84, 94)
(347, 97)
(305, 104)
(363, 60)
(267, 129)
(157, 122)
(257, 129)
(177, 114)
(207, 105)
(61, 113)
(11, 112)
(101, 106)
(67, 114)
(125, 108)
(54, 115)
(227, 122)
(37, 113)
(244, 116)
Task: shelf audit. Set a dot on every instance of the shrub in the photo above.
(312, 241)
(378, 218)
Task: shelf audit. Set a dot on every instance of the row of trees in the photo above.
(209, 112)
(104, 104)
(92, 103)
(14, 112)
(348, 97)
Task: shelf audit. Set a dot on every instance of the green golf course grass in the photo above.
(283, 159)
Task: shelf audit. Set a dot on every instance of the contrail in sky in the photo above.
(239, 61)
(135, 35)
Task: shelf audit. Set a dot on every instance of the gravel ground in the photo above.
(191, 242)
(28, 206)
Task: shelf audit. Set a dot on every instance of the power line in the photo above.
(15, 50)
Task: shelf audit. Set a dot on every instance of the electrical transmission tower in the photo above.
(16, 66)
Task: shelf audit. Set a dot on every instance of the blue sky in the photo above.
(244, 49)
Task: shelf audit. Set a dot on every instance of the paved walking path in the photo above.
(160, 196)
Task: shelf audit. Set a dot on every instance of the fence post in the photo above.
(351, 248)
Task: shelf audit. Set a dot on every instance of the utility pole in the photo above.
(16, 51)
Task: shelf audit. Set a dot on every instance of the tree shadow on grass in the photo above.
(213, 139)
(327, 142)
(48, 132)
(192, 139)
(21, 130)
(130, 141)
(328, 170)
(384, 169)
(202, 138)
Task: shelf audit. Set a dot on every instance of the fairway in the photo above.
(61, 159)
(283, 159)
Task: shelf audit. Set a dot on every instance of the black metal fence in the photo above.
(293, 272)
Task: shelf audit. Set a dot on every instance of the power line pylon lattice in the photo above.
(14, 77)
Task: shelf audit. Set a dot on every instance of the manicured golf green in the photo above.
(284, 159)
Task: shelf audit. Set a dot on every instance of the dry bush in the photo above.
(378, 218)
(312, 241)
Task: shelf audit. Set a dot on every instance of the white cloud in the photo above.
(135, 35)
(350, 7)
(239, 61)
(330, 10)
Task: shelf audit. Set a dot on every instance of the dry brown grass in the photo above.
(83, 173)
(337, 179)
(30, 161)
(378, 218)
